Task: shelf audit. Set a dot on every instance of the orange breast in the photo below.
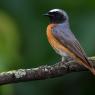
(54, 42)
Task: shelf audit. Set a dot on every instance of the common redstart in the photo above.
(63, 40)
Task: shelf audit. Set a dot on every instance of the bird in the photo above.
(63, 40)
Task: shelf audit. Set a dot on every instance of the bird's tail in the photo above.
(91, 67)
(92, 70)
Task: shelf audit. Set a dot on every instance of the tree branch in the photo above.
(42, 72)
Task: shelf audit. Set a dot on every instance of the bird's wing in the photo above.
(71, 43)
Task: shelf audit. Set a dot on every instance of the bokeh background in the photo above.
(23, 44)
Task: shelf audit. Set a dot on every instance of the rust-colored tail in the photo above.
(88, 64)
(92, 70)
(90, 67)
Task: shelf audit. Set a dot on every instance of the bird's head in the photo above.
(57, 16)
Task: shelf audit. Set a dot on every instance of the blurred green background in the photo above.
(23, 44)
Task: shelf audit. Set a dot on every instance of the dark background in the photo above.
(23, 44)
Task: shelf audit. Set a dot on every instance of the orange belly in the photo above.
(55, 43)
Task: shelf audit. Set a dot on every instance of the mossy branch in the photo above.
(41, 72)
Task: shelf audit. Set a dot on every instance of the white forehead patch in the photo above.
(55, 10)
(59, 10)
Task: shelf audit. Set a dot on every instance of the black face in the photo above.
(56, 16)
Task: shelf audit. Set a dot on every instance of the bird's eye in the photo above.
(54, 14)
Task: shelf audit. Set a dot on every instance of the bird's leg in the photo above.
(63, 59)
(66, 59)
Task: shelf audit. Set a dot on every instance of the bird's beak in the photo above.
(46, 14)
